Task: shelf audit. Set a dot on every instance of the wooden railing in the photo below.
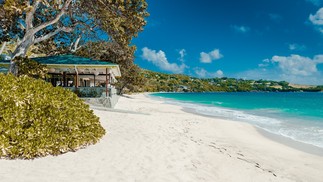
(92, 92)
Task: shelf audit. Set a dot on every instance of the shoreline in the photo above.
(148, 140)
(304, 147)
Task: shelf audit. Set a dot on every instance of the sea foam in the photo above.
(293, 128)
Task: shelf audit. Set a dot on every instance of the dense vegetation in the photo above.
(159, 82)
(37, 119)
(131, 77)
(31, 68)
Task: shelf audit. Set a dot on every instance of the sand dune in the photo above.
(150, 141)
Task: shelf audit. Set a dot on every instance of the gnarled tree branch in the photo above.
(2, 47)
(30, 15)
(55, 20)
(49, 35)
(74, 46)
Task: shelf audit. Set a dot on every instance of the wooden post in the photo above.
(94, 80)
(64, 79)
(106, 82)
(76, 80)
(109, 78)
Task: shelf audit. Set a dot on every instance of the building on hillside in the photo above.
(86, 77)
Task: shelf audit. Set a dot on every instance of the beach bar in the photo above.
(88, 78)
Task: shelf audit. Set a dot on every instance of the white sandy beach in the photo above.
(150, 141)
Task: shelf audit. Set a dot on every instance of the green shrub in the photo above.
(30, 68)
(88, 92)
(37, 119)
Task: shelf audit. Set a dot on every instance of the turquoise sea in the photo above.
(298, 116)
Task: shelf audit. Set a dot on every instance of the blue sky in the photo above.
(249, 39)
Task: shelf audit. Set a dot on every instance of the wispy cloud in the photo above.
(315, 2)
(211, 56)
(240, 29)
(265, 63)
(182, 54)
(201, 72)
(296, 47)
(159, 59)
(317, 19)
(259, 73)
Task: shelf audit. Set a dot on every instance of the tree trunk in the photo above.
(121, 89)
(2, 47)
(31, 30)
(21, 50)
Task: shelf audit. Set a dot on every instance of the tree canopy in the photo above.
(69, 22)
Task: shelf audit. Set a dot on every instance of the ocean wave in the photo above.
(300, 131)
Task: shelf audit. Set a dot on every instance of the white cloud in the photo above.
(296, 47)
(201, 72)
(159, 59)
(240, 29)
(209, 57)
(317, 19)
(275, 74)
(298, 65)
(294, 69)
(219, 73)
(205, 58)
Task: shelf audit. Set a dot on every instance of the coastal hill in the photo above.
(161, 82)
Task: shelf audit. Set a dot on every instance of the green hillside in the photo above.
(160, 82)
